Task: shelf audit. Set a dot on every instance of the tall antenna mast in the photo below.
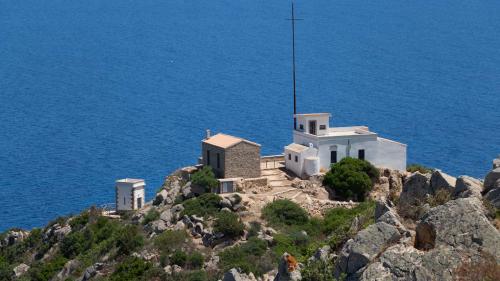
(293, 19)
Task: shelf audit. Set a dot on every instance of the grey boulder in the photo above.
(467, 187)
(236, 275)
(490, 179)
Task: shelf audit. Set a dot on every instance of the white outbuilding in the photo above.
(316, 146)
(130, 194)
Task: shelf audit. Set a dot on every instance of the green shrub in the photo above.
(254, 229)
(351, 178)
(337, 221)
(171, 240)
(80, 221)
(5, 269)
(44, 271)
(131, 269)
(150, 216)
(229, 224)
(179, 258)
(128, 240)
(205, 178)
(195, 260)
(251, 256)
(197, 275)
(207, 204)
(412, 168)
(318, 270)
(284, 212)
(76, 243)
(439, 198)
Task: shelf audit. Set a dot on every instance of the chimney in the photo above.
(208, 134)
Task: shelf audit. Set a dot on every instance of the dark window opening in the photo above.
(208, 157)
(333, 157)
(289, 156)
(312, 127)
(218, 160)
(296, 158)
(361, 154)
(301, 127)
(322, 127)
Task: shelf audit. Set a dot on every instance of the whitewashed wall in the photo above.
(124, 193)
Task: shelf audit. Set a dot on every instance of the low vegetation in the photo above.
(351, 178)
(412, 168)
(251, 256)
(205, 178)
(229, 224)
(206, 205)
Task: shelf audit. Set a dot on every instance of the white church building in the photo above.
(316, 146)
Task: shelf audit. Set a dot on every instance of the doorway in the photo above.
(139, 202)
(312, 127)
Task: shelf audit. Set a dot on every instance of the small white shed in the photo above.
(130, 194)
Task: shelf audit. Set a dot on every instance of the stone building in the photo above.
(231, 157)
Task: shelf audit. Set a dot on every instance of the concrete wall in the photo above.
(213, 150)
(127, 194)
(139, 193)
(391, 155)
(242, 161)
(297, 167)
(320, 120)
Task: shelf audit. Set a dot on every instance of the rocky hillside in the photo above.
(418, 225)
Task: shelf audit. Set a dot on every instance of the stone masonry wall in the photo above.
(242, 160)
(219, 172)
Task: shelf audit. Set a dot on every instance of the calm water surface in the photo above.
(92, 91)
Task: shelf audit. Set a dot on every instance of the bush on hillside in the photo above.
(178, 258)
(171, 240)
(205, 178)
(150, 216)
(351, 178)
(251, 256)
(195, 260)
(130, 269)
(412, 168)
(129, 239)
(206, 205)
(284, 212)
(229, 224)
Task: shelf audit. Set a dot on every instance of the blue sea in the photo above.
(96, 90)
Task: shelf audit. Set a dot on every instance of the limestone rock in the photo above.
(367, 244)
(288, 269)
(68, 269)
(494, 195)
(91, 271)
(467, 187)
(187, 191)
(236, 275)
(160, 197)
(440, 180)
(415, 189)
(490, 179)
(166, 216)
(157, 226)
(322, 254)
(458, 223)
(385, 212)
(496, 162)
(13, 236)
(225, 203)
(21, 269)
(57, 232)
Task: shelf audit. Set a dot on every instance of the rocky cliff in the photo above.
(420, 226)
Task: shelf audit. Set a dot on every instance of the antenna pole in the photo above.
(293, 69)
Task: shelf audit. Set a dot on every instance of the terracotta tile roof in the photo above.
(295, 147)
(226, 141)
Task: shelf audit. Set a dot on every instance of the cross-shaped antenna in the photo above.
(293, 19)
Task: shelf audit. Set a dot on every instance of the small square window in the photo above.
(296, 158)
(322, 127)
(301, 127)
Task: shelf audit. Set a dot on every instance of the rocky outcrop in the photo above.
(175, 185)
(415, 189)
(461, 224)
(21, 269)
(385, 212)
(70, 267)
(13, 236)
(440, 180)
(57, 232)
(490, 180)
(236, 275)
(494, 195)
(288, 269)
(467, 187)
(364, 247)
(91, 271)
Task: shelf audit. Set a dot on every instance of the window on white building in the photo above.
(322, 127)
(289, 156)
(361, 154)
(296, 158)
